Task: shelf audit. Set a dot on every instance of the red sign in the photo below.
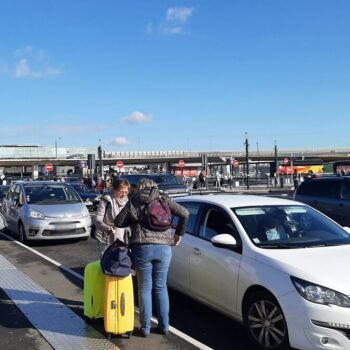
(120, 164)
(285, 160)
(49, 166)
(181, 163)
(235, 163)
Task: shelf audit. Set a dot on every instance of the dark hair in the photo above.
(117, 183)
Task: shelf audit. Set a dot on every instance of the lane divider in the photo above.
(173, 330)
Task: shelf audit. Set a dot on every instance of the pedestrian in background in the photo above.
(201, 179)
(151, 250)
(109, 207)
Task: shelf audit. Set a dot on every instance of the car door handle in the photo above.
(340, 205)
(196, 251)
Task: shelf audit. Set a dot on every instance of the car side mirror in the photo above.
(225, 241)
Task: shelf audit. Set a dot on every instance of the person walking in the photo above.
(109, 207)
(151, 249)
(201, 179)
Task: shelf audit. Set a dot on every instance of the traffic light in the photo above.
(99, 152)
(91, 161)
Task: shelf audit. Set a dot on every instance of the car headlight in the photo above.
(319, 294)
(35, 214)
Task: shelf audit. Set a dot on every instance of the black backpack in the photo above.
(156, 216)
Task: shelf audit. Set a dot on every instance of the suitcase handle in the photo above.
(122, 304)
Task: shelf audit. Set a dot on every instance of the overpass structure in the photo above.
(37, 156)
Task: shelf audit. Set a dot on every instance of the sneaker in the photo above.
(144, 333)
(163, 331)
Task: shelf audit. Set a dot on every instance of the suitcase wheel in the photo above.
(128, 334)
(109, 336)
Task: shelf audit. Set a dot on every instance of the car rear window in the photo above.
(329, 189)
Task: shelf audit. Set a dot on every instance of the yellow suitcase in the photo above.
(94, 287)
(119, 305)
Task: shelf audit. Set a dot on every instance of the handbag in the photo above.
(115, 260)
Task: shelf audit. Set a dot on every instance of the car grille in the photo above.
(51, 233)
(65, 223)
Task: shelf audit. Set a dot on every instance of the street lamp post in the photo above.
(247, 158)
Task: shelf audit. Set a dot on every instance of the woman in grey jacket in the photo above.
(151, 252)
(108, 208)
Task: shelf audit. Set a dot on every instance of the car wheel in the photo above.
(22, 234)
(264, 321)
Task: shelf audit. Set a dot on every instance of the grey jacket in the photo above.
(132, 213)
(107, 210)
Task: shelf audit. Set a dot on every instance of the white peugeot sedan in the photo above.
(278, 266)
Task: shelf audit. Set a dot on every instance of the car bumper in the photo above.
(315, 326)
(57, 228)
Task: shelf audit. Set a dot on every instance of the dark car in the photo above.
(329, 195)
(89, 197)
(167, 183)
(3, 190)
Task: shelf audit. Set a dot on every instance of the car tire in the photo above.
(22, 234)
(264, 321)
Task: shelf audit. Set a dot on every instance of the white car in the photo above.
(278, 266)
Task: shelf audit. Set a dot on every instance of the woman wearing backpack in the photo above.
(149, 216)
(109, 207)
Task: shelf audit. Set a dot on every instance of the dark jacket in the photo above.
(132, 213)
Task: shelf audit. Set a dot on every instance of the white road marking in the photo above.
(77, 275)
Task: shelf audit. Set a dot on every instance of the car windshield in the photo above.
(50, 194)
(80, 188)
(289, 227)
(166, 180)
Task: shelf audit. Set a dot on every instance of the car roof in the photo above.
(238, 201)
(33, 183)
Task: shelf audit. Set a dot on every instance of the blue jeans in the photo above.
(151, 262)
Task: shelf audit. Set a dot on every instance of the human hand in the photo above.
(177, 239)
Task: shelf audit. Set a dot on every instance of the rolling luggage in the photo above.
(118, 305)
(94, 285)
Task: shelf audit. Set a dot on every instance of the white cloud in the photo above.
(23, 51)
(33, 63)
(137, 118)
(178, 14)
(174, 22)
(119, 141)
(23, 70)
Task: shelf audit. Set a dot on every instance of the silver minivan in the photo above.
(43, 210)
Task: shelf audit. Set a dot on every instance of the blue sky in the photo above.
(175, 75)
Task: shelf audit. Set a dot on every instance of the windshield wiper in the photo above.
(278, 246)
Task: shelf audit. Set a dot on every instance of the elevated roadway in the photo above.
(173, 157)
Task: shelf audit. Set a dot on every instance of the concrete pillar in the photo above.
(35, 171)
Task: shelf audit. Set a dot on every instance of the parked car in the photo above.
(45, 210)
(167, 183)
(3, 190)
(330, 195)
(290, 290)
(89, 197)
